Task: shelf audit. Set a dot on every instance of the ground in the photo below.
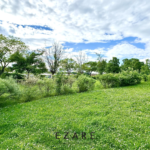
(120, 118)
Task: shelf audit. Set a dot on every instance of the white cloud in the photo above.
(75, 20)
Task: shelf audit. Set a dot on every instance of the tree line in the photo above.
(15, 52)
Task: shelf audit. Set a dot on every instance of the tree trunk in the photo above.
(28, 75)
(2, 71)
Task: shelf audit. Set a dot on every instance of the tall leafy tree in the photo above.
(9, 45)
(133, 63)
(145, 69)
(90, 66)
(101, 66)
(68, 64)
(113, 66)
(29, 62)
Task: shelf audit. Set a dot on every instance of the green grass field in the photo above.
(120, 118)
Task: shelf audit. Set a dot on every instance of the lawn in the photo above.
(119, 118)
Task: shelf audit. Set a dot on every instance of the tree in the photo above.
(126, 64)
(145, 69)
(29, 62)
(81, 59)
(53, 55)
(90, 66)
(133, 63)
(101, 66)
(9, 45)
(68, 64)
(113, 66)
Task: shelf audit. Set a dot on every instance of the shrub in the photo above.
(145, 77)
(64, 84)
(30, 81)
(10, 87)
(46, 86)
(29, 93)
(109, 80)
(129, 77)
(148, 77)
(59, 83)
(124, 78)
(85, 83)
(66, 89)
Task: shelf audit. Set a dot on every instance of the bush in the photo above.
(46, 86)
(109, 80)
(129, 77)
(125, 78)
(10, 87)
(85, 83)
(66, 89)
(145, 77)
(30, 81)
(64, 84)
(148, 77)
(59, 83)
(29, 93)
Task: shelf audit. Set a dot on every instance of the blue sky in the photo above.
(113, 28)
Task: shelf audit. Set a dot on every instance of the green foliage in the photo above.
(13, 75)
(59, 82)
(145, 77)
(125, 78)
(85, 83)
(113, 66)
(145, 69)
(46, 86)
(29, 93)
(101, 66)
(129, 77)
(28, 61)
(9, 87)
(132, 63)
(109, 80)
(89, 66)
(64, 84)
(30, 82)
(65, 89)
(68, 64)
(148, 77)
(8, 45)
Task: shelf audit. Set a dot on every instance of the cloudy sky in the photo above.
(112, 27)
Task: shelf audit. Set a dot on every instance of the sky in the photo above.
(113, 28)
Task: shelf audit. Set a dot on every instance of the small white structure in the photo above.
(48, 75)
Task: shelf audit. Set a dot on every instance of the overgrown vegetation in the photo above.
(124, 78)
(35, 88)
